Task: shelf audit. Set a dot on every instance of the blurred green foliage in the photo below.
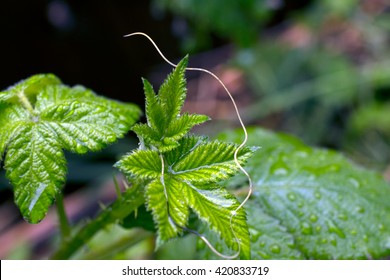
(318, 70)
(236, 20)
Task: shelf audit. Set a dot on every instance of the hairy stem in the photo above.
(133, 238)
(62, 218)
(26, 103)
(130, 200)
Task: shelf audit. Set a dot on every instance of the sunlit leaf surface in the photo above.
(39, 118)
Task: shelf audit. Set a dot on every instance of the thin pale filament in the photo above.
(233, 213)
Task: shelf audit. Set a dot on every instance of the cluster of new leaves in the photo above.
(39, 118)
(193, 167)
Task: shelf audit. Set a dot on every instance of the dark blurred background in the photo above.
(82, 42)
(318, 69)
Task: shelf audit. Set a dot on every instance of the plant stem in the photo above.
(62, 218)
(26, 103)
(130, 200)
(133, 238)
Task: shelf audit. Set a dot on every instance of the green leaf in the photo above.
(191, 172)
(81, 127)
(173, 91)
(36, 167)
(165, 126)
(56, 95)
(322, 205)
(163, 211)
(11, 118)
(268, 238)
(186, 145)
(209, 162)
(39, 119)
(153, 108)
(144, 164)
(157, 204)
(214, 205)
(181, 125)
(30, 87)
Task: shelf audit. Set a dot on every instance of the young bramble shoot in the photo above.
(306, 203)
(181, 171)
(39, 118)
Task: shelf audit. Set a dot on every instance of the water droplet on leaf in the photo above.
(334, 229)
(111, 138)
(387, 243)
(334, 168)
(280, 171)
(37, 194)
(343, 217)
(306, 228)
(291, 197)
(313, 218)
(354, 182)
(81, 148)
(301, 154)
(360, 209)
(275, 249)
(254, 235)
(311, 177)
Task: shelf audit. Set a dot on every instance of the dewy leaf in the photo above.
(268, 238)
(39, 118)
(165, 126)
(321, 205)
(191, 172)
